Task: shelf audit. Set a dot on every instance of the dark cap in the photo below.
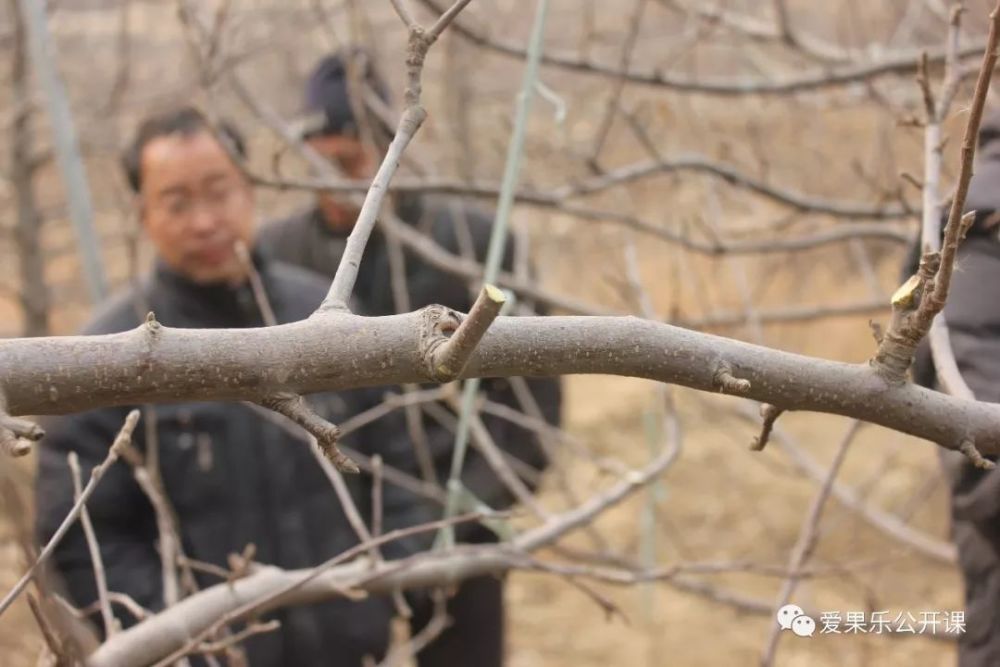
(327, 96)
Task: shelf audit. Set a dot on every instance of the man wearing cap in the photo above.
(315, 239)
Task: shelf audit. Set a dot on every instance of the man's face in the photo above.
(196, 205)
(356, 161)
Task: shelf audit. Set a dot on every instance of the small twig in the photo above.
(770, 414)
(347, 503)
(145, 471)
(256, 285)
(923, 80)
(138, 611)
(492, 454)
(16, 435)
(295, 408)
(376, 495)
(241, 564)
(446, 18)
(111, 625)
(968, 448)
(121, 440)
(953, 70)
(223, 645)
(400, 655)
(448, 359)
(850, 498)
(22, 428)
(726, 382)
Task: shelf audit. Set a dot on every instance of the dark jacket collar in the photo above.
(189, 304)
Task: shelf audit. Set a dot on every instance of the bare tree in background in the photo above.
(24, 162)
(273, 367)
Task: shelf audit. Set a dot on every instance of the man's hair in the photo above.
(185, 121)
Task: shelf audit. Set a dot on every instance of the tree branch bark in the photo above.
(334, 351)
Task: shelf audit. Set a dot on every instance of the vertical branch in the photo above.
(922, 298)
(34, 294)
(940, 340)
(67, 147)
(100, 577)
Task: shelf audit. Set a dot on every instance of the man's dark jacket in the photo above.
(972, 313)
(305, 240)
(233, 478)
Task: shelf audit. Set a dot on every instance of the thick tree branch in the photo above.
(339, 351)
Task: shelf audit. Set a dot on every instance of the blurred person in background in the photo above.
(315, 239)
(972, 313)
(233, 477)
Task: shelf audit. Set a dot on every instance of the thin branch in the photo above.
(446, 19)
(176, 630)
(134, 608)
(121, 440)
(111, 625)
(919, 300)
(401, 655)
(404, 13)
(806, 543)
(223, 645)
(146, 475)
(295, 408)
(16, 435)
(413, 116)
(559, 196)
(901, 63)
(770, 414)
(890, 525)
(256, 285)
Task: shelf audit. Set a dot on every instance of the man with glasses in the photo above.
(233, 478)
